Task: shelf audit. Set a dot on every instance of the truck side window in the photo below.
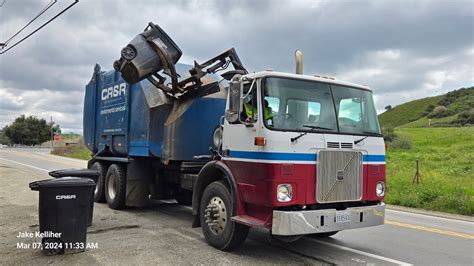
(271, 107)
(249, 108)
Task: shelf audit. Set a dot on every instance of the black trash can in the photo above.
(63, 213)
(85, 173)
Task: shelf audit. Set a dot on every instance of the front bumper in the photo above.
(287, 223)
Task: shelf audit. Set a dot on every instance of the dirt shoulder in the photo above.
(160, 234)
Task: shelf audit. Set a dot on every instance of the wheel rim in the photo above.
(112, 186)
(216, 215)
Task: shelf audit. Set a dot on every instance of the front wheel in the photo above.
(215, 211)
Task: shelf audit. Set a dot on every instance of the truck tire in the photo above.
(115, 182)
(215, 211)
(99, 192)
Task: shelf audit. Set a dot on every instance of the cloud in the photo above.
(65, 108)
(403, 50)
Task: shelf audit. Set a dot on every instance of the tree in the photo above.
(3, 138)
(29, 130)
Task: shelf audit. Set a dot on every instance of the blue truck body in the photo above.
(139, 120)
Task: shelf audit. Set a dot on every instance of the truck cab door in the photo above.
(238, 137)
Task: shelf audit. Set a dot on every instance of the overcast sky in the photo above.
(403, 50)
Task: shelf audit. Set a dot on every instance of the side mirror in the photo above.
(232, 114)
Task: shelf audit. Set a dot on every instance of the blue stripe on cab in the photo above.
(283, 156)
(373, 158)
(278, 156)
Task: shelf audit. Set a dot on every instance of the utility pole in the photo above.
(52, 134)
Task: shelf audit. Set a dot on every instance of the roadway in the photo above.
(162, 233)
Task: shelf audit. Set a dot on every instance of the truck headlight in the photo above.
(380, 189)
(284, 192)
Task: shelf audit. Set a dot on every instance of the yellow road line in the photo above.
(430, 229)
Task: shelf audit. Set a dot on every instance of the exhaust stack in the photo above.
(299, 62)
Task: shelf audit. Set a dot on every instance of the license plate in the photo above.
(343, 217)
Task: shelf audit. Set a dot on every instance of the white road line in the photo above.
(360, 252)
(429, 216)
(30, 166)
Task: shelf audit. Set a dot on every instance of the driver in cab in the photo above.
(250, 112)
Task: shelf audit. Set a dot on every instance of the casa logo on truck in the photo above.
(114, 91)
(65, 197)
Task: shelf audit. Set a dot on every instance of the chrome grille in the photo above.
(339, 176)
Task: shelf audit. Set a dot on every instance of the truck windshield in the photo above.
(301, 105)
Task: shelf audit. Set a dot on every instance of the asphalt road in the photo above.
(162, 233)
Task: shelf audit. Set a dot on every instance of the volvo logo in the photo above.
(340, 176)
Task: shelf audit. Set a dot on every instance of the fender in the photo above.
(213, 171)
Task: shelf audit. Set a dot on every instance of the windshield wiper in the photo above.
(359, 140)
(316, 127)
(369, 134)
(312, 128)
(299, 136)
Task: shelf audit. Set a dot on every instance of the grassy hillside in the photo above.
(407, 112)
(455, 108)
(446, 165)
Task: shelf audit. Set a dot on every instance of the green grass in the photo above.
(78, 151)
(407, 112)
(446, 158)
(435, 122)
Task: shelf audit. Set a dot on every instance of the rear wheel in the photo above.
(99, 192)
(115, 182)
(215, 211)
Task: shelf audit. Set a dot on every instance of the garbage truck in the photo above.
(290, 153)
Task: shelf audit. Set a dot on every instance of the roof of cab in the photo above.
(267, 73)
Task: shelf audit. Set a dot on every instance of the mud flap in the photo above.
(139, 182)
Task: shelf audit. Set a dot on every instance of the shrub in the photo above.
(465, 117)
(401, 142)
(388, 134)
(429, 108)
(438, 112)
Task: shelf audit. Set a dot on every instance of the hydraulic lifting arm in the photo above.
(153, 54)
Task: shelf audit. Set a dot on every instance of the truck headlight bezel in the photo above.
(380, 189)
(284, 193)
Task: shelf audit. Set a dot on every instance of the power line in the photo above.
(3, 45)
(3, 3)
(48, 6)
